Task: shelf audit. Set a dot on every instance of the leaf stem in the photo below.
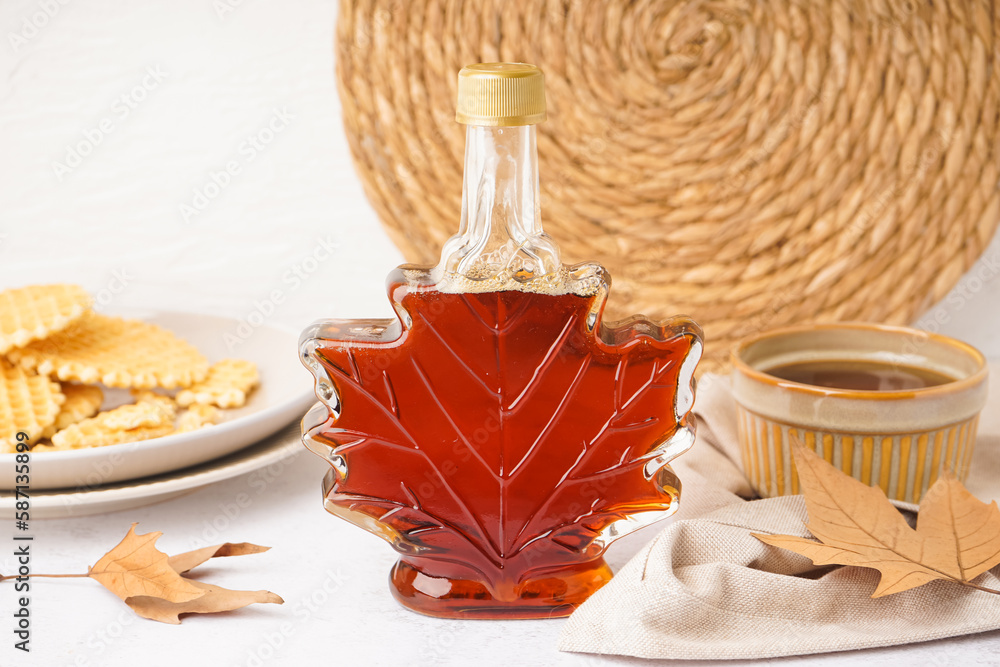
(977, 587)
(4, 577)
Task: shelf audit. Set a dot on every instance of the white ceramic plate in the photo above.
(284, 394)
(272, 451)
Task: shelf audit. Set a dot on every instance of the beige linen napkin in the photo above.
(705, 589)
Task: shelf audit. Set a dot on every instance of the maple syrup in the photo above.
(497, 433)
(860, 374)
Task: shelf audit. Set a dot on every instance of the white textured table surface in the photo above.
(114, 118)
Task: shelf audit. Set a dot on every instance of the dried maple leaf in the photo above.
(506, 427)
(214, 599)
(184, 562)
(136, 567)
(150, 582)
(957, 536)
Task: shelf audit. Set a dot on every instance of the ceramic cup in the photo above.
(897, 440)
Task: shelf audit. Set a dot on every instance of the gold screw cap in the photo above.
(501, 94)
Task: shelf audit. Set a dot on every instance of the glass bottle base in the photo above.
(548, 596)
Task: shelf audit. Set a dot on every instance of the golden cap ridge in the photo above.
(501, 94)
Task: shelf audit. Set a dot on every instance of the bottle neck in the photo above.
(501, 229)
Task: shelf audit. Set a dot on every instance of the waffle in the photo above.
(116, 352)
(135, 415)
(82, 402)
(227, 385)
(32, 313)
(150, 418)
(88, 433)
(28, 403)
(196, 417)
(161, 402)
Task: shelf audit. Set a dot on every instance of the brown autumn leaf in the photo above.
(957, 536)
(184, 562)
(150, 582)
(136, 567)
(215, 599)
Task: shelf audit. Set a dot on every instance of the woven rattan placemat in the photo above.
(750, 164)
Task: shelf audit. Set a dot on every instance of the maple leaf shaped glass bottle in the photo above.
(497, 433)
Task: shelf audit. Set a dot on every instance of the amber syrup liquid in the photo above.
(526, 437)
(863, 375)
